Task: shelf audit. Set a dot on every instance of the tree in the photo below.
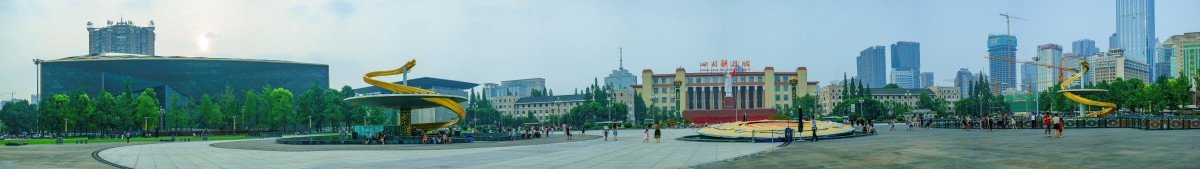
(18, 116)
(147, 107)
(281, 111)
(52, 112)
(252, 109)
(210, 113)
(891, 86)
(106, 111)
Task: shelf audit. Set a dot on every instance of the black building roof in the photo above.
(423, 83)
(543, 99)
(900, 91)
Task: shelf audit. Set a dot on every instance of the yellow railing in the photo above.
(1108, 107)
(401, 89)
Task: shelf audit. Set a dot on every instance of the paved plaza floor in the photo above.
(54, 156)
(629, 152)
(952, 148)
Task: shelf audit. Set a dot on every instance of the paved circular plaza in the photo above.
(629, 152)
(953, 148)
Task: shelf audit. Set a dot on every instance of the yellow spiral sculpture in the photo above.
(1108, 107)
(401, 89)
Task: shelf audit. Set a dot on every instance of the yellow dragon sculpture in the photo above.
(401, 89)
(1108, 107)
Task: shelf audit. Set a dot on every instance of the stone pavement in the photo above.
(629, 152)
(270, 145)
(54, 156)
(952, 148)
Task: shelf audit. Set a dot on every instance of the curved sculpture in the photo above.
(406, 93)
(1108, 107)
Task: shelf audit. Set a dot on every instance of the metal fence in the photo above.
(1144, 123)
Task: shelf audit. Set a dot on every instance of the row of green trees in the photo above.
(266, 109)
(1166, 93)
(981, 100)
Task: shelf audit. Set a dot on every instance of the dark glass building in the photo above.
(187, 77)
(1003, 72)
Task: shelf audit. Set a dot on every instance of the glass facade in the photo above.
(1003, 72)
(906, 57)
(871, 66)
(1135, 30)
(188, 78)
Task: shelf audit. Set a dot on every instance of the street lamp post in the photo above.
(679, 83)
(234, 125)
(796, 106)
(310, 128)
(64, 126)
(860, 109)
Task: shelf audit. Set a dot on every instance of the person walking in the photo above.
(814, 130)
(567, 129)
(893, 123)
(1046, 124)
(1012, 123)
(605, 132)
(647, 138)
(614, 130)
(1058, 122)
(657, 133)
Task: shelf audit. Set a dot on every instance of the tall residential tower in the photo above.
(871, 67)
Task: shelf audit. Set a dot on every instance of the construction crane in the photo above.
(1008, 22)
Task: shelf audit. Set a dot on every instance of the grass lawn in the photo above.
(71, 140)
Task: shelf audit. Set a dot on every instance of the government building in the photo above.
(715, 97)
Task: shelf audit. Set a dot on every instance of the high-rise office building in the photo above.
(1047, 54)
(1085, 47)
(1135, 30)
(1003, 72)
(906, 78)
(1163, 67)
(906, 58)
(1186, 57)
(872, 69)
(963, 80)
(1028, 77)
(121, 37)
(1113, 41)
(926, 79)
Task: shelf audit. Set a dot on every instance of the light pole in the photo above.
(860, 109)
(679, 83)
(38, 116)
(234, 125)
(796, 106)
(64, 126)
(310, 128)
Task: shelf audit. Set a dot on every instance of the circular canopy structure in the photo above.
(1084, 91)
(772, 128)
(402, 101)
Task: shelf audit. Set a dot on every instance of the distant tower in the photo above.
(121, 37)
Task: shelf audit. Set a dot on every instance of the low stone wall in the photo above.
(1144, 123)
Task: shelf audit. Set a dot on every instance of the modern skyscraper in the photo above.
(926, 79)
(1135, 30)
(963, 80)
(1003, 72)
(872, 69)
(121, 37)
(1028, 77)
(906, 58)
(1085, 47)
(620, 79)
(1047, 54)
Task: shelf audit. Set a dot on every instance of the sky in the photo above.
(569, 43)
